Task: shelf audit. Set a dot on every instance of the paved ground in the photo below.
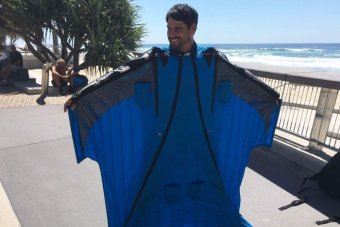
(12, 97)
(41, 184)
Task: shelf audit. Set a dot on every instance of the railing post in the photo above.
(322, 118)
(45, 78)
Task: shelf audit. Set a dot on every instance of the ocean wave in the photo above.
(304, 49)
(314, 56)
(281, 52)
(315, 63)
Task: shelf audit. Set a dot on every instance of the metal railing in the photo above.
(310, 112)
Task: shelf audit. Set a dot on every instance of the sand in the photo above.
(310, 73)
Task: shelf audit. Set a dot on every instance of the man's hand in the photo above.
(65, 78)
(68, 103)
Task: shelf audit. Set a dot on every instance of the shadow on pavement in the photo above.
(9, 90)
(41, 100)
(288, 175)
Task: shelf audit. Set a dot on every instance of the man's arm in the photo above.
(54, 72)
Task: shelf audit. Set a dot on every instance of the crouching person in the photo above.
(66, 79)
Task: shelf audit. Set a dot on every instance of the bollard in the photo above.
(323, 118)
(45, 78)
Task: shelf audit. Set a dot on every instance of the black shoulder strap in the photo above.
(297, 202)
(329, 220)
(303, 198)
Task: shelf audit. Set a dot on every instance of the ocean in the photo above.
(313, 58)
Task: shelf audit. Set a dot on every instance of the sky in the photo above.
(249, 21)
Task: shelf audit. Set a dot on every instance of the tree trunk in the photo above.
(34, 51)
(55, 43)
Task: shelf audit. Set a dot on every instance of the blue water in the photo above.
(318, 57)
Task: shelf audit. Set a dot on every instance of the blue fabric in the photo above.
(183, 164)
(79, 81)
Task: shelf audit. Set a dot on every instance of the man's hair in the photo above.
(184, 13)
(60, 62)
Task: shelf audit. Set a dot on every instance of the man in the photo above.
(4, 53)
(172, 131)
(15, 62)
(62, 76)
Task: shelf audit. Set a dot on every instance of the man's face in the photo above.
(179, 35)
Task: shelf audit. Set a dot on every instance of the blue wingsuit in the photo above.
(172, 134)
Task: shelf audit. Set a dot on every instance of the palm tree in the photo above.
(113, 32)
(107, 31)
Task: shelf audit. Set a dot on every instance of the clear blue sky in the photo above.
(250, 21)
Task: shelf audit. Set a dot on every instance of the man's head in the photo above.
(60, 63)
(13, 48)
(181, 23)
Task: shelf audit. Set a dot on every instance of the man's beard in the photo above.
(177, 44)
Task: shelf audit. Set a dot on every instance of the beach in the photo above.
(294, 71)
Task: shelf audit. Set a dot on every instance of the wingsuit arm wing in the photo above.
(104, 93)
(264, 99)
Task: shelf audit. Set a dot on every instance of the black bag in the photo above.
(329, 177)
(328, 180)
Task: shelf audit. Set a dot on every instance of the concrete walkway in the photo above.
(43, 186)
(39, 173)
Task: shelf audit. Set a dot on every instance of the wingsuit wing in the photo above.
(111, 126)
(245, 115)
(172, 136)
